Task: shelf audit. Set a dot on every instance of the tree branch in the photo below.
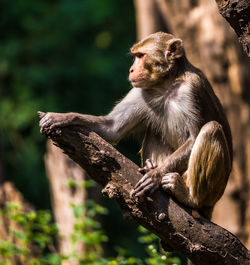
(200, 240)
(237, 14)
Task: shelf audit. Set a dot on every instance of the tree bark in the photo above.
(200, 240)
(237, 13)
(212, 46)
(61, 170)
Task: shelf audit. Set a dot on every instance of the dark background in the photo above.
(61, 56)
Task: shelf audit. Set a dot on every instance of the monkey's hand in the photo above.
(150, 181)
(50, 120)
(148, 166)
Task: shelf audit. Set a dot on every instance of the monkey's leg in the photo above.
(208, 168)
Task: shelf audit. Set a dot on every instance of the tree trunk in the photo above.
(62, 171)
(200, 240)
(237, 14)
(212, 46)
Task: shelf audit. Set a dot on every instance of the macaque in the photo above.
(187, 145)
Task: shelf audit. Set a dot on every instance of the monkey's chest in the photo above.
(165, 134)
(171, 127)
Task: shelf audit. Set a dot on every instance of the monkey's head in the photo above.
(155, 59)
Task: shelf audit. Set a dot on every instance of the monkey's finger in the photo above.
(58, 124)
(143, 185)
(43, 129)
(45, 124)
(149, 164)
(143, 170)
(142, 180)
(164, 180)
(44, 120)
(166, 183)
(145, 190)
(170, 178)
(41, 114)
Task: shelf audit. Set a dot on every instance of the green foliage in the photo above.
(56, 56)
(31, 240)
(29, 233)
(154, 257)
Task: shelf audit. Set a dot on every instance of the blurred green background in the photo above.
(65, 55)
(57, 56)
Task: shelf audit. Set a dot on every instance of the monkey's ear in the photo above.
(174, 48)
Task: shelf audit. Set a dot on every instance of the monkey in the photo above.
(187, 145)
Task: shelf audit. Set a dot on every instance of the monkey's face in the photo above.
(154, 60)
(149, 69)
(139, 76)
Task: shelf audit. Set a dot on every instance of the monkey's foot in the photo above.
(170, 182)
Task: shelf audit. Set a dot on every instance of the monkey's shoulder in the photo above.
(197, 80)
(179, 90)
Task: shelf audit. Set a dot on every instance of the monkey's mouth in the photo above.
(137, 80)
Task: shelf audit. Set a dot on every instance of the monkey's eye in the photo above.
(139, 54)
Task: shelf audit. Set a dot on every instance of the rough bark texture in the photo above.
(200, 240)
(237, 13)
(211, 45)
(61, 170)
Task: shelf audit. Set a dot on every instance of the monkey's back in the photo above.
(211, 108)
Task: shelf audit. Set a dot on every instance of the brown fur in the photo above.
(186, 133)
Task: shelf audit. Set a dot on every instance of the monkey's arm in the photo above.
(112, 127)
(51, 120)
(176, 162)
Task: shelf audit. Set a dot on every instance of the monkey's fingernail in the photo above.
(41, 114)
